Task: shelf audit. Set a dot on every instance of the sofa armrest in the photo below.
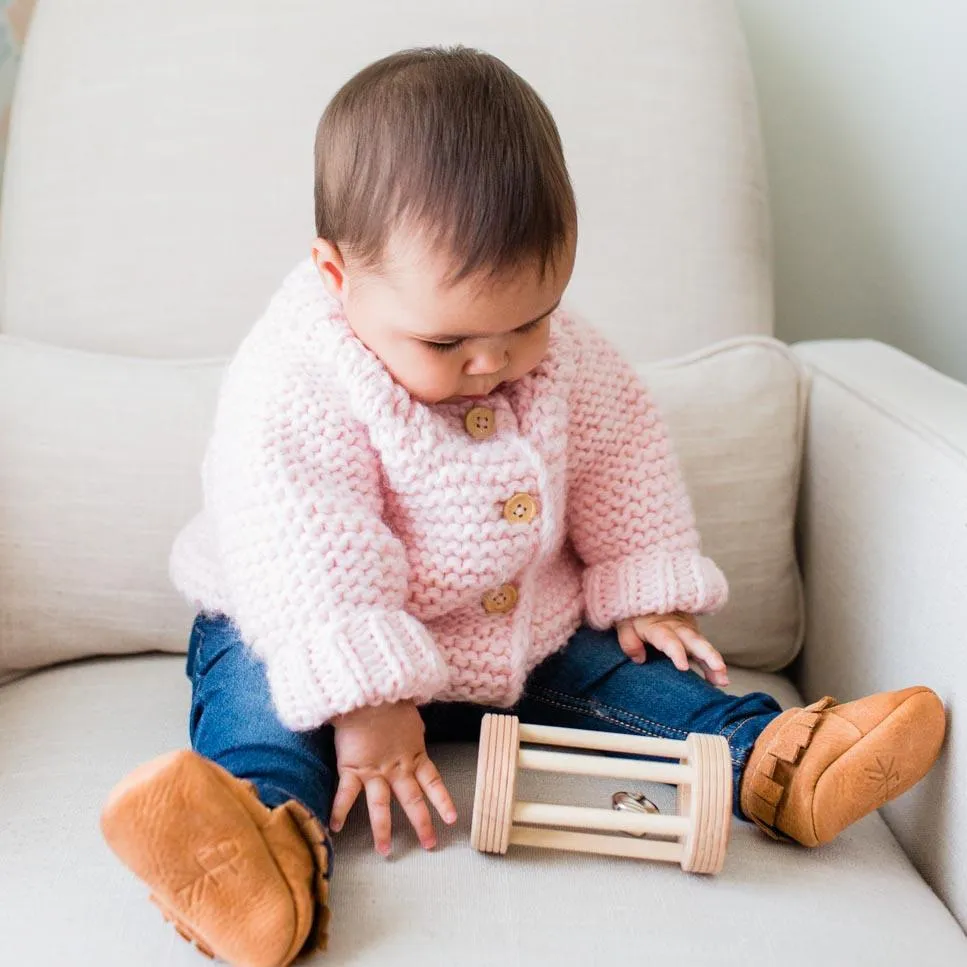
(883, 539)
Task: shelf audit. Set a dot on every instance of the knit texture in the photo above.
(352, 533)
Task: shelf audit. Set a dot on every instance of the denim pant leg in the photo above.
(233, 722)
(591, 684)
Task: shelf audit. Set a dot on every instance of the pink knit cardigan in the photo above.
(361, 540)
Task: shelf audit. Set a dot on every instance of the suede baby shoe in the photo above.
(248, 884)
(815, 770)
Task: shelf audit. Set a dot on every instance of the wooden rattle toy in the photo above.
(696, 838)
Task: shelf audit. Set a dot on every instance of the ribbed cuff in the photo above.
(652, 583)
(364, 659)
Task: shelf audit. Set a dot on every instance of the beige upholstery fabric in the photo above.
(884, 528)
(158, 184)
(99, 468)
(160, 169)
(69, 733)
(735, 412)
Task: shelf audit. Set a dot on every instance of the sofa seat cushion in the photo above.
(68, 733)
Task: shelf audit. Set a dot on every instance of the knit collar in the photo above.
(373, 392)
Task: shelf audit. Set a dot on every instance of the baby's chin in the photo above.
(463, 397)
(434, 399)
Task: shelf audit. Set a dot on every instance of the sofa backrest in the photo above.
(159, 184)
(159, 178)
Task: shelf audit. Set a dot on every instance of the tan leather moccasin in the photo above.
(815, 770)
(248, 884)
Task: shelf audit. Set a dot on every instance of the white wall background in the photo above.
(864, 112)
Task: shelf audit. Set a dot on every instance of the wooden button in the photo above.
(500, 600)
(520, 509)
(481, 422)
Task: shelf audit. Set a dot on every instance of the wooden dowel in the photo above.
(591, 765)
(594, 843)
(606, 741)
(509, 745)
(580, 817)
(493, 759)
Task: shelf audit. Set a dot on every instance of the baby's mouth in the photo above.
(466, 396)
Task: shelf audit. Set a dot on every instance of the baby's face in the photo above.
(443, 344)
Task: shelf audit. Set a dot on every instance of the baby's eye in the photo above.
(444, 347)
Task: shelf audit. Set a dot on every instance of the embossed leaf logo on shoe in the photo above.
(215, 861)
(885, 775)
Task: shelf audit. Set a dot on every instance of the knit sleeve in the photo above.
(629, 515)
(316, 580)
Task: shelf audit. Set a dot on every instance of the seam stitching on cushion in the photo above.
(730, 344)
(161, 362)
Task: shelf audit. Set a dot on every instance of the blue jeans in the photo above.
(589, 684)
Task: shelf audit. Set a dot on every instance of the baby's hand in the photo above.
(379, 749)
(676, 635)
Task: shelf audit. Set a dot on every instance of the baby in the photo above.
(430, 493)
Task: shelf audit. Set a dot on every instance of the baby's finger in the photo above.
(407, 790)
(630, 643)
(667, 641)
(711, 662)
(700, 647)
(378, 800)
(431, 781)
(713, 675)
(349, 789)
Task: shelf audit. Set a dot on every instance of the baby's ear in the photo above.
(331, 266)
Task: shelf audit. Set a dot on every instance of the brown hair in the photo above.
(449, 142)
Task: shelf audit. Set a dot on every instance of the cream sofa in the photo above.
(158, 185)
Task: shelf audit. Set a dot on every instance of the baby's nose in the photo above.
(487, 361)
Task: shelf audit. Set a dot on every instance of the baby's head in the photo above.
(445, 217)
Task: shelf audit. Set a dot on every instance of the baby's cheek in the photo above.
(432, 381)
(442, 375)
(532, 352)
(424, 377)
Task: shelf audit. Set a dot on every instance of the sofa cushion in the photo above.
(68, 734)
(736, 412)
(99, 461)
(99, 468)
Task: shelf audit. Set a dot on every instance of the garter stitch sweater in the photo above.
(372, 548)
